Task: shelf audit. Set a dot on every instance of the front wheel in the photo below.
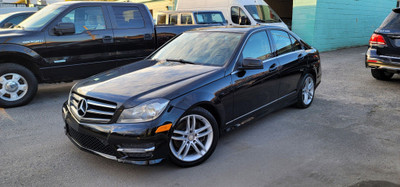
(194, 138)
(18, 85)
(306, 91)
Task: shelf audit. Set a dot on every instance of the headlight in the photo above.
(144, 112)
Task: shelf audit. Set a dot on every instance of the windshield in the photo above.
(207, 48)
(42, 17)
(262, 13)
(209, 17)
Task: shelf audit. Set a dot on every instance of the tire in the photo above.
(381, 74)
(199, 145)
(306, 91)
(18, 85)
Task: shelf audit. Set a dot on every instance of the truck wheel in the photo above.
(381, 74)
(18, 85)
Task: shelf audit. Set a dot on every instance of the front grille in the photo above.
(91, 143)
(98, 111)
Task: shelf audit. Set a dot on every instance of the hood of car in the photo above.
(140, 81)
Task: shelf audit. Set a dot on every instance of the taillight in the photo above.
(377, 40)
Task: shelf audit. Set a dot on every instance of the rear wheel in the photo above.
(18, 85)
(194, 138)
(306, 91)
(381, 74)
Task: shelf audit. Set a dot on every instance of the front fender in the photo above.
(13, 53)
(216, 96)
(21, 51)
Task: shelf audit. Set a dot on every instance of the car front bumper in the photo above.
(375, 61)
(126, 143)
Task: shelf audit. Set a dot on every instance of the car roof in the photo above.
(236, 29)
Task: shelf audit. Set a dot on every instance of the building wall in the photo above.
(333, 24)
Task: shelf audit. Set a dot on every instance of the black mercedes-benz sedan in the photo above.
(176, 103)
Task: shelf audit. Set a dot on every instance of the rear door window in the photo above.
(283, 44)
(128, 17)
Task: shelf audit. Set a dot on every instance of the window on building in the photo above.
(128, 17)
(257, 46)
(161, 19)
(209, 17)
(186, 19)
(173, 19)
(282, 41)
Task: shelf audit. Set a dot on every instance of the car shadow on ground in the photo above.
(52, 92)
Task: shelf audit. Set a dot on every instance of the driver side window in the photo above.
(239, 17)
(257, 47)
(85, 18)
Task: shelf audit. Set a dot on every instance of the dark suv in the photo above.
(383, 55)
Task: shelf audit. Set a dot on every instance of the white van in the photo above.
(237, 12)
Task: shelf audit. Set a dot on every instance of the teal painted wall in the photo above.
(333, 24)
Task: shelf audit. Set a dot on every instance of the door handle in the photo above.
(301, 56)
(148, 37)
(273, 67)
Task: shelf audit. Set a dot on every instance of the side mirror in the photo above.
(8, 25)
(252, 63)
(64, 29)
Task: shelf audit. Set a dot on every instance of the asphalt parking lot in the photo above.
(350, 134)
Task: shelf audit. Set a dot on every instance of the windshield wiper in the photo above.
(180, 60)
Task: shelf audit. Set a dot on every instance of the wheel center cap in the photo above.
(11, 86)
(191, 137)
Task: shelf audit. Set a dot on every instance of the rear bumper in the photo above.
(375, 61)
(127, 143)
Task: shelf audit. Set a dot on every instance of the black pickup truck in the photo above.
(74, 40)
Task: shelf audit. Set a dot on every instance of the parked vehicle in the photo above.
(14, 18)
(73, 40)
(190, 18)
(178, 101)
(383, 54)
(237, 12)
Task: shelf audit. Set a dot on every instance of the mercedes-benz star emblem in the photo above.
(82, 107)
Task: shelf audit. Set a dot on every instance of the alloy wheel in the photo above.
(192, 138)
(308, 90)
